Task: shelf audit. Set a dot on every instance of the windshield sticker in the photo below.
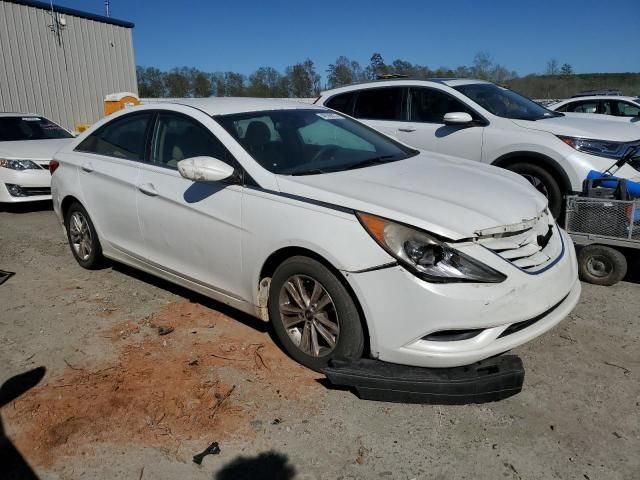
(31, 119)
(330, 116)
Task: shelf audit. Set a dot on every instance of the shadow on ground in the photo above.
(12, 463)
(265, 466)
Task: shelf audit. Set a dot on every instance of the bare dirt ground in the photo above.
(120, 401)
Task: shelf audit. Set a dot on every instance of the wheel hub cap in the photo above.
(80, 234)
(309, 315)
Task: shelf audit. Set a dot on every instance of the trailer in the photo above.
(602, 227)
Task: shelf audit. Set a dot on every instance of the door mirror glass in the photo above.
(457, 118)
(204, 169)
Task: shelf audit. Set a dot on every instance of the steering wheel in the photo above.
(323, 151)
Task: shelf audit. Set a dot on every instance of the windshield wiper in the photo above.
(371, 161)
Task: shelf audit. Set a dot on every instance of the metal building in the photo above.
(61, 62)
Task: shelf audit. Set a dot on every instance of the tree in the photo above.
(482, 65)
(552, 67)
(234, 84)
(177, 83)
(344, 72)
(202, 84)
(376, 67)
(303, 80)
(267, 82)
(566, 70)
(151, 82)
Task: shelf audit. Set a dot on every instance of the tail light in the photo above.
(53, 166)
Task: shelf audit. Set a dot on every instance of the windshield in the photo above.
(30, 128)
(305, 142)
(503, 102)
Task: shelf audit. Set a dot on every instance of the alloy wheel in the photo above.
(80, 234)
(309, 315)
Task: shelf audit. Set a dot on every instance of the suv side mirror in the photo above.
(457, 118)
(204, 169)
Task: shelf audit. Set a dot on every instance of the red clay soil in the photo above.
(162, 390)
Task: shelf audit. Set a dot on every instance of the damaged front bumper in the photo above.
(487, 381)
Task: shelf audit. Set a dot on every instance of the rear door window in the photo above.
(380, 104)
(587, 106)
(124, 137)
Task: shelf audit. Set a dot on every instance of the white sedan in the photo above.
(349, 242)
(27, 144)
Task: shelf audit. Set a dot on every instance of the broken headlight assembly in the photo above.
(424, 255)
(18, 164)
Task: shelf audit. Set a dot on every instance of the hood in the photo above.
(585, 126)
(32, 149)
(600, 116)
(444, 195)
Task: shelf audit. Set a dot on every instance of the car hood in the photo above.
(32, 149)
(600, 116)
(444, 195)
(584, 127)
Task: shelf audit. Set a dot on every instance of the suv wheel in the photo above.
(544, 182)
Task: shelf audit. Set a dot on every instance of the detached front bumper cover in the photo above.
(490, 380)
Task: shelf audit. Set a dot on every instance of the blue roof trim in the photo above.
(74, 12)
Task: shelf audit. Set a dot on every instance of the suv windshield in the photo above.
(305, 142)
(503, 102)
(30, 128)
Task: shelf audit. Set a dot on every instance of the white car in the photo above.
(348, 241)
(613, 105)
(481, 121)
(27, 144)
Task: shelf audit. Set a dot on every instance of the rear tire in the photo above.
(601, 265)
(544, 182)
(313, 314)
(83, 238)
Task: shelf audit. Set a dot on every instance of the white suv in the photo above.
(482, 121)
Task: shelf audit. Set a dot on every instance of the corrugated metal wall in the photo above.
(67, 82)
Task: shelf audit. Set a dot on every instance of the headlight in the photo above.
(601, 148)
(425, 256)
(18, 164)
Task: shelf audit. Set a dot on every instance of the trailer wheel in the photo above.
(601, 265)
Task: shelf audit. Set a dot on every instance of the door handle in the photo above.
(87, 167)
(148, 189)
(407, 129)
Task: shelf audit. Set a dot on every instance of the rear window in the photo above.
(342, 103)
(379, 104)
(30, 128)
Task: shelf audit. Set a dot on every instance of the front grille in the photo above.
(530, 249)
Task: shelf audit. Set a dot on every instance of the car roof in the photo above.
(18, 114)
(600, 97)
(230, 105)
(407, 81)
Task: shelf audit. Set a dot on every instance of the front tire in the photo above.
(544, 182)
(313, 314)
(83, 238)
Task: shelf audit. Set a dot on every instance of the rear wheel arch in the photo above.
(279, 256)
(66, 203)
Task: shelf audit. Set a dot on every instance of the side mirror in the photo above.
(204, 169)
(457, 118)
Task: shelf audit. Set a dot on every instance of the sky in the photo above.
(241, 36)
